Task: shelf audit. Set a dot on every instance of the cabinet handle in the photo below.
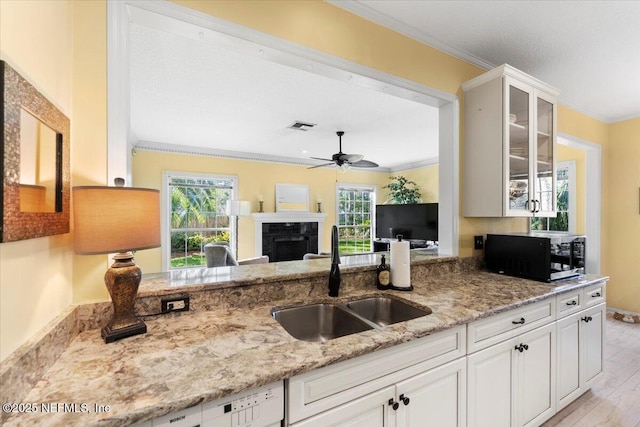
(404, 399)
(596, 295)
(536, 204)
(522, 347)
(393, 404)
(587, 319)
(518, 322)
(572, 302)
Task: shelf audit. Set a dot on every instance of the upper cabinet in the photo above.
(509, 145)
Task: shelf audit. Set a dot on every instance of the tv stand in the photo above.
(382, 245)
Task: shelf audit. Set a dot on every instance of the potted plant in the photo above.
(400, 193)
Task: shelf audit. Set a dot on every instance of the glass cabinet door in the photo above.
(519, 151)
(545, 197)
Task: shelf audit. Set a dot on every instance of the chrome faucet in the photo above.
(334, 274)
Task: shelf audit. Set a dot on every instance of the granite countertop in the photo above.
(189, 358)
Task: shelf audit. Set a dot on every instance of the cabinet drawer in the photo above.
(569, 303)
(594, 294)
(331, 386)
(486, 332)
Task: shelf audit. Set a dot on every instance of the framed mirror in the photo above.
(35, 167)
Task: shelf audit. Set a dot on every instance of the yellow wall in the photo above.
(427, 179)
(254, 179)
(566, 153)
(35, 275)
(623, 189)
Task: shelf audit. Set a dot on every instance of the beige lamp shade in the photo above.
(115, 219)
(238, 207)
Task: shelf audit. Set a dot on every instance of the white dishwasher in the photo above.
(258, 407)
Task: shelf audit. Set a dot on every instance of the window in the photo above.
(566, 201)
(356, 210)
(196, 215)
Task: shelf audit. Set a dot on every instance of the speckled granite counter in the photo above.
(186, 359)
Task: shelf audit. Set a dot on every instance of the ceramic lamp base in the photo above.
(122, 281)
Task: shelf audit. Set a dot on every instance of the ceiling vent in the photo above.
(304, 126)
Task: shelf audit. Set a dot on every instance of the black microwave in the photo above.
(544, 257)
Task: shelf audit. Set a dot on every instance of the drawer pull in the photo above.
(596, 295)
(522, 347)
(587, 319)
(518, 322)
(393, 404)
(572, 303)
(404, 399)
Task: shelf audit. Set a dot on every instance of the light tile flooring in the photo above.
(614, 401)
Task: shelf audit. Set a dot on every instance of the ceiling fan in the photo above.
(345, 161)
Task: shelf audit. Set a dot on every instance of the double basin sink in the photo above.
(321, 322)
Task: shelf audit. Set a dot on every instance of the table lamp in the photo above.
(117, 220)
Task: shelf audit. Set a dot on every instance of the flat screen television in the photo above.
(415, 222)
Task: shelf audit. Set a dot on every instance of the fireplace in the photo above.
(286, 236)
(288, 241)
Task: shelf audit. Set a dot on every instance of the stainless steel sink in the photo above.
(319, 322)
(325, 321)
(386, 311)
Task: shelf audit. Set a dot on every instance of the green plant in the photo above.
(400, 193)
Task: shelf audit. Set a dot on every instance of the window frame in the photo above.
(570, 166)
(166, 212)
(373, 189)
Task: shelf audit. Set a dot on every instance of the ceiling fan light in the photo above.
(344, 167)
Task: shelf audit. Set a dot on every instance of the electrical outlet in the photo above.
(478, 242)
(168, 305)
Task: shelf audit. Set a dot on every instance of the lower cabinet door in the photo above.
(489, 386)
(372, 410)
(592, 328)
(436, 398)
(568, 357)
(535, 370)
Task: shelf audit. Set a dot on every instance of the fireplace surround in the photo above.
(287, 236)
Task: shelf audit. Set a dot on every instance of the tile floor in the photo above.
(614, 401)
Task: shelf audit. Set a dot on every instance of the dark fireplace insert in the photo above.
(288, 241)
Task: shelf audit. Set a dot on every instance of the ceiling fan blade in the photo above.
(351, 158)
(320, 158)
(322, 165)
(364, 164)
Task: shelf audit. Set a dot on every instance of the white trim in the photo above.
(172, 17)
(448, 179)
(229, 154)
(165, 213)
(593, 197)
(573, 205)
(415, 165)
(118, 106)
(373, 15)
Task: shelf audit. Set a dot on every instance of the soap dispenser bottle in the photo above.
(384, 274)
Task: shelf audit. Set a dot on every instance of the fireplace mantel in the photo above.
(270, 217)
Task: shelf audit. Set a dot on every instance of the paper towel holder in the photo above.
(391, 286)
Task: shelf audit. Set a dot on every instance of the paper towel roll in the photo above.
(400, 264)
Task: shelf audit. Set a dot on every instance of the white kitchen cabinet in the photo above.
(371, 410)
(425, 374)
(580, 352)
(513, 383)
(509, 145)
(436, 398)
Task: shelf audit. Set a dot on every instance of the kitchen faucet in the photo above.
(334, 274)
